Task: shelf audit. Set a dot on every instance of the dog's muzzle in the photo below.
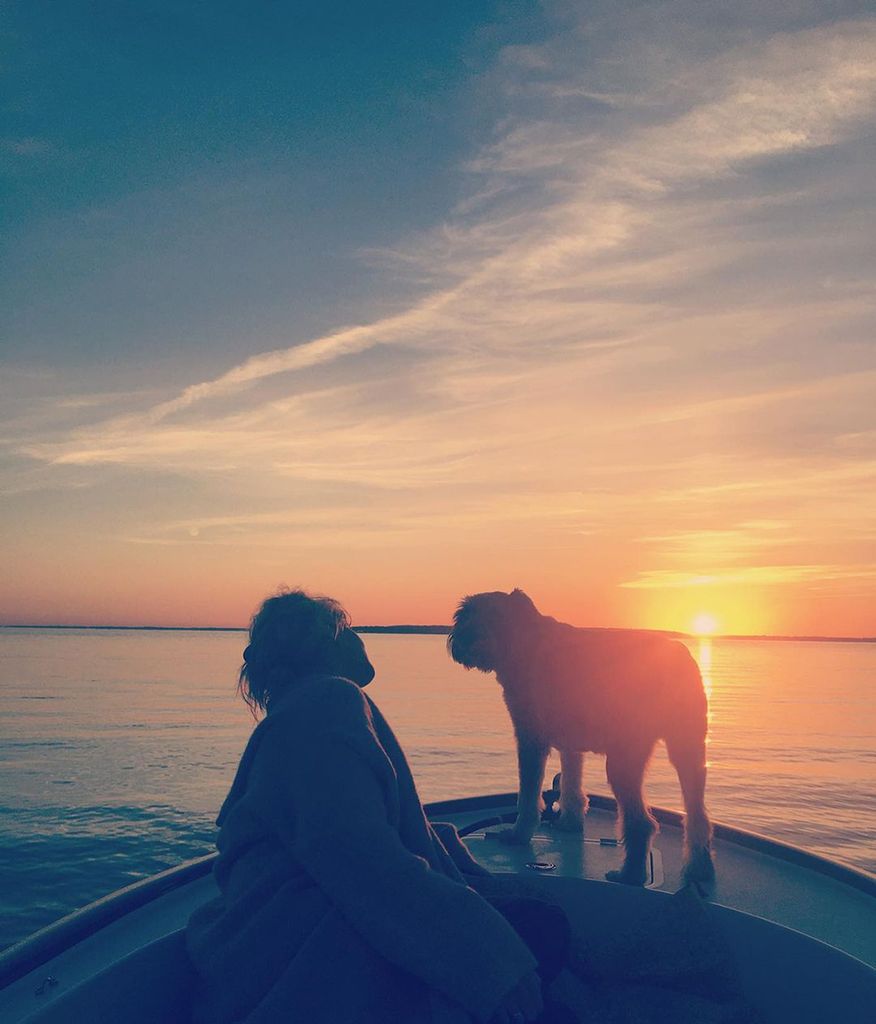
(467, 653)
(455, 648)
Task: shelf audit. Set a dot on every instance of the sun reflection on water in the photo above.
(704, 660)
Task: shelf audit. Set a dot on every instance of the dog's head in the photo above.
(485, 626)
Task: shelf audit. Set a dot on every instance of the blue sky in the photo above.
(400, 302)
(206, 169)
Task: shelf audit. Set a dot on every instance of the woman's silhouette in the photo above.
(339, 902)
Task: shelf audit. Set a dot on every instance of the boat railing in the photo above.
(25, 956)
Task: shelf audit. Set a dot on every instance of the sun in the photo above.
(704, 624)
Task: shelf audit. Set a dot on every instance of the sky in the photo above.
(401, 302)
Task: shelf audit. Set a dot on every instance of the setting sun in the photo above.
(704, 624)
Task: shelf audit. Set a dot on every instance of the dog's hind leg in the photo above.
(532, 755)
(573, 801)
(688, 756)
(626, 772)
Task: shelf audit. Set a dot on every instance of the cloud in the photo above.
(643, 300)
(402, 519)
(28, 146)
(759, 575)
(596, 213)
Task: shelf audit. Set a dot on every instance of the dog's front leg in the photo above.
(532, 755)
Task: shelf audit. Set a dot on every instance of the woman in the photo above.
(338, 901)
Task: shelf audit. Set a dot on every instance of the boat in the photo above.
(801, 928)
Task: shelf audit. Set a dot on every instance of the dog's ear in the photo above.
(522, 601)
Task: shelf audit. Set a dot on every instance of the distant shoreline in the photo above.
(444, 630)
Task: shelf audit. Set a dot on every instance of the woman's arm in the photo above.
(458, 851)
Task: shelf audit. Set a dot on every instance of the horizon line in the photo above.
(426, 629)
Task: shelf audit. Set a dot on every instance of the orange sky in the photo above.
(623, 361)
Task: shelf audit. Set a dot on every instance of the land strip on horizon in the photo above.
(425, 630)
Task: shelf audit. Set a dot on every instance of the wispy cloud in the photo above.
(801, 91)
(26, 146)
(636, 279)
(758, 575)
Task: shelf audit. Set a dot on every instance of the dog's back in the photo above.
(603, 687)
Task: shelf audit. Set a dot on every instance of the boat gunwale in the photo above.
(32, 952)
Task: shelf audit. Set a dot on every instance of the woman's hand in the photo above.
(522, 1004)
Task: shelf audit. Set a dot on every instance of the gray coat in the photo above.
(339, 902)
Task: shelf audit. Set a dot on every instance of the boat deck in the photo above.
(785, 891)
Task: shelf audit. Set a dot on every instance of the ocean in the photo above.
(118, 747)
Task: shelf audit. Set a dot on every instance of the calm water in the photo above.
(118, 748)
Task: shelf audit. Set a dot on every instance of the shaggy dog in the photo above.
(613, 692)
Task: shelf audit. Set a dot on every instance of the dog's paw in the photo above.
(627, 877)
(699, 869)
(569, 821)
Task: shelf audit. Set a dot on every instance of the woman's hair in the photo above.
(290, 636)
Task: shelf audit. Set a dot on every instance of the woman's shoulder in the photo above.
(323, 697)
(321, 711)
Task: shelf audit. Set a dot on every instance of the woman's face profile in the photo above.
(351, 659)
